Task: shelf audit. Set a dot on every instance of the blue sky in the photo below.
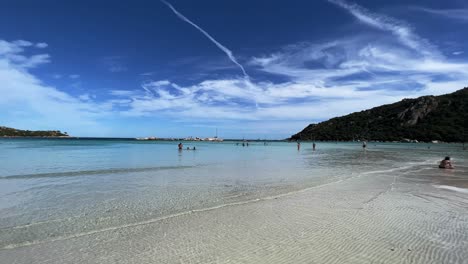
(254, 69)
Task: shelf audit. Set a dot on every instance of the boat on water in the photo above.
(147, 138)
(214, 139)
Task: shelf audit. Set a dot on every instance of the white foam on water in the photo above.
(452, 188)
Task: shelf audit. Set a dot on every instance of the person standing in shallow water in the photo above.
(313, 146)
(298, 145)
(180, 146)
(364, 145)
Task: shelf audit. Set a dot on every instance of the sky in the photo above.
(248, 69)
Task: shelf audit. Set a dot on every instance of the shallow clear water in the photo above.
(60, 188)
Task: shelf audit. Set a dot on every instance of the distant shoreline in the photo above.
(225, 140)
(137, 139)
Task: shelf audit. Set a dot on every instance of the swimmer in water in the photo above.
(446, 163)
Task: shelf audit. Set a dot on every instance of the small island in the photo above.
(12, 132)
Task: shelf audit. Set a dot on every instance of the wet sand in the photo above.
(389, 217)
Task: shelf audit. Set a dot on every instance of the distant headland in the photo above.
(428, 119)
(12, 132)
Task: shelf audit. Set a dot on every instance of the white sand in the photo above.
(368, 219)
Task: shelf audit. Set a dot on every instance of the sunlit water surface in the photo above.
(53, 189)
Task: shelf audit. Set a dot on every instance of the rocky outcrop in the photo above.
(420, 109)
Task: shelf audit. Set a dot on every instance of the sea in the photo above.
(62, 189)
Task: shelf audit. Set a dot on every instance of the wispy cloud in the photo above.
(22, 43)
(460, 14)
(400, 29)
(41, 45)
(13, 52)
(85, 97)
(219, 45)
(125, 93)
(147, 73)
(28, 103)
(346, 74)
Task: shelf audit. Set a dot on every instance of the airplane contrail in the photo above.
(220, 46)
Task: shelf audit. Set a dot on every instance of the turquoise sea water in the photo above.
(53, 188)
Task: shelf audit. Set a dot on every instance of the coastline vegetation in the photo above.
(12, 132)
(428, 118)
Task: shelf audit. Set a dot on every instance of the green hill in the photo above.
(427, 118)
(11, 132)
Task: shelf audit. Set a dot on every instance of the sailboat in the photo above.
(216, 138)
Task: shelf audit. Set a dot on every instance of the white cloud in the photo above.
(85, 97)
(460, 14)
(41, 45)
(147, 73)
(9, 48)
(45, 107)
(12, 52)
(159, 83)
(74, 76)
(22, 43)
(400, 29)
(121, 93)
(36, 60)
(350, 74)
(457, 52)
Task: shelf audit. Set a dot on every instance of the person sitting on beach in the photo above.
(446, 164)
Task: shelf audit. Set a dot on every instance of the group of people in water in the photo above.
(181, 147)
(444, 164)
(299, 146)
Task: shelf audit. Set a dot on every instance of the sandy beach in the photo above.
(380, 217)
